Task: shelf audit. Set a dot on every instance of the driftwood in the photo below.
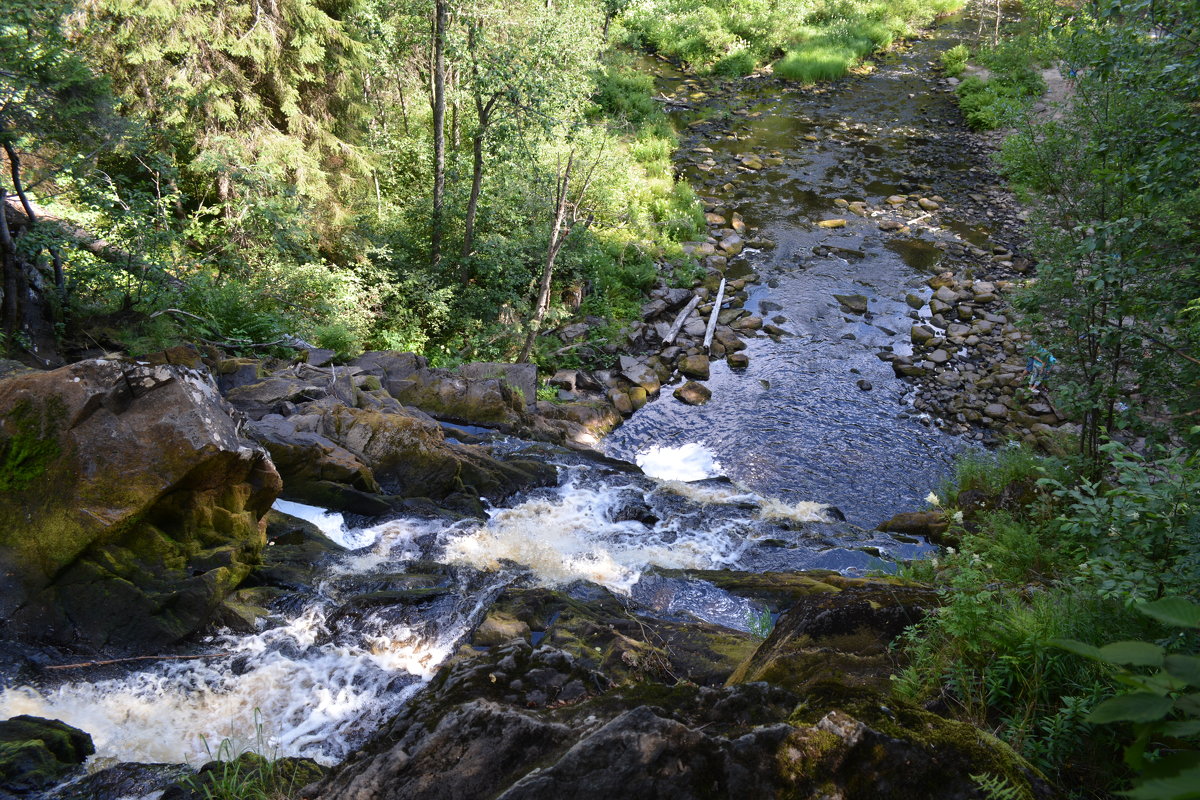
(85, 664)
(677, 325)
(712, 321)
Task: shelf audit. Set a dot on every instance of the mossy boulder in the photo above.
(520, 721)
(575, 694)
(491, 394)
(36, 753)
(839, 629)
(131, 504)
(296, 550)
(602, 634)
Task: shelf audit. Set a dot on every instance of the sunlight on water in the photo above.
(689, 462)
(708, 494)
(331, 523)
(316, 687)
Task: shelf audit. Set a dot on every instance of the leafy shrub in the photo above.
(623, 93)
(815, 63)
(954, 60)
(991, 472)
(736, 64)
(1074, 561)
(998, 101)
(1136, 536)
(1163, 705)
(336, 336)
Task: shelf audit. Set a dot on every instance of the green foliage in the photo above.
(1137, 534)
(1073, 558)
(954, 60)
(1112, 183)
(1161, 701)
(249, 775)
(49, 95)
(991, 472)
(815, 63)
(338, 337)
(998, 787)
(1014, 82)
(735, 65)
(761, 623)
(260, 96)
(623, 93)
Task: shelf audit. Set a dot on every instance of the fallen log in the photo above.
(100, 248)
(712, 320)
(677, 325)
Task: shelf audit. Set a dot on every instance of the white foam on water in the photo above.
(569, 537)
(688, 462)
(384, 545)
(331, 523)
(705, 494)
(295, 689)
(771, 509)
(310, 699)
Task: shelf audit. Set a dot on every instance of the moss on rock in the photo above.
(36, 753)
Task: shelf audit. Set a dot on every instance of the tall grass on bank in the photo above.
(808, 40)
(1041, 554)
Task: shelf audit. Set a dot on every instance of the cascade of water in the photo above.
(317, 679)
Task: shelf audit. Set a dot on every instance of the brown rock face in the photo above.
(130, 506)
(600, 708)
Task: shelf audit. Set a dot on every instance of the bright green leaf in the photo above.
(1173, 611)
(1078, 648)
(1135, 707)
(1140, 654)
(1188, 704)
(1190, 727)
(1184, 786)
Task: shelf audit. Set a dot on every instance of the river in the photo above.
(744, 482)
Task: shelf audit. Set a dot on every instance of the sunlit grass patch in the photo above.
(813, 63)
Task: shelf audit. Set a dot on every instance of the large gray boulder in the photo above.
(369, 461)
(130, 504)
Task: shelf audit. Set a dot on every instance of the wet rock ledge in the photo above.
(571, 695)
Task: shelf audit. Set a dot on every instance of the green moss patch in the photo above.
(29, 442)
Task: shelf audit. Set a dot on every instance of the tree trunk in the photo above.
(473, 203)
(8, 254)
(14, 164)
(484, 110)
(403, 105)
(557, 237)
(455, 131)
(439, 131)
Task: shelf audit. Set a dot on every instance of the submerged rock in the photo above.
(693, 393)
(155, 512)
